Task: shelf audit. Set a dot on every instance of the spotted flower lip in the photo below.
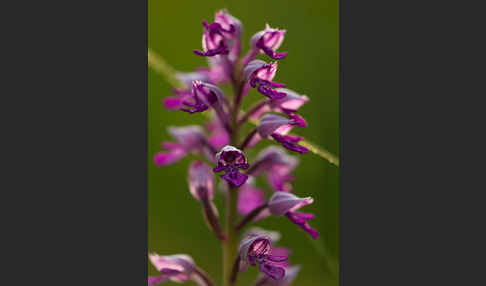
(282, 203)
(230, 159)
(268, 41)
(189, 139)
(214, 41)
(201, 181)
(259, 75)
(255, 249)
(178, 268)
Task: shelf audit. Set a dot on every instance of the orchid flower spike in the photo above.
(255, 249)
(230, 159)
(282, 203)
(258, 73)
(268, 41)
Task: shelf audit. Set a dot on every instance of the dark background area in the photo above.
(311, 68)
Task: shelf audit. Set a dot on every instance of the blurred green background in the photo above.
(175, 224)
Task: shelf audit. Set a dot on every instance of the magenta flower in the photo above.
(230, 23)
(214, 40)
(190, 139)
(230, 160)
(178, 268)
(204, 95)
(282, 203)
(218, 135)
(268, 41)
(277, 165)
(258, 73)
(255, 249)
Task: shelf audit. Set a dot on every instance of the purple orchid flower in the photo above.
(201, 186)
(178, 268)
(214, 40)
(230, 159)
(277, 165)
(190, 139)
(204, 95)
(288, 104)
(230, 23)
(271, 123)
(258, 73)
(282, 203)
(268, 41)
(176, 102)
(255, 249)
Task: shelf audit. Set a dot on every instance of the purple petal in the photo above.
(290, 142)
(270, 123)
(282, 202)
(300, 219)
(236, 179)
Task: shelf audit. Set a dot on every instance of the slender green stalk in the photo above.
(230, 245)
(161, 66)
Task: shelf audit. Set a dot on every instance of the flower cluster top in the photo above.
(220, 148)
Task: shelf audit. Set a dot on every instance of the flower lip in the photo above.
(230, 159)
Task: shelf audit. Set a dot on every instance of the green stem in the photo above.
(230, 245)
